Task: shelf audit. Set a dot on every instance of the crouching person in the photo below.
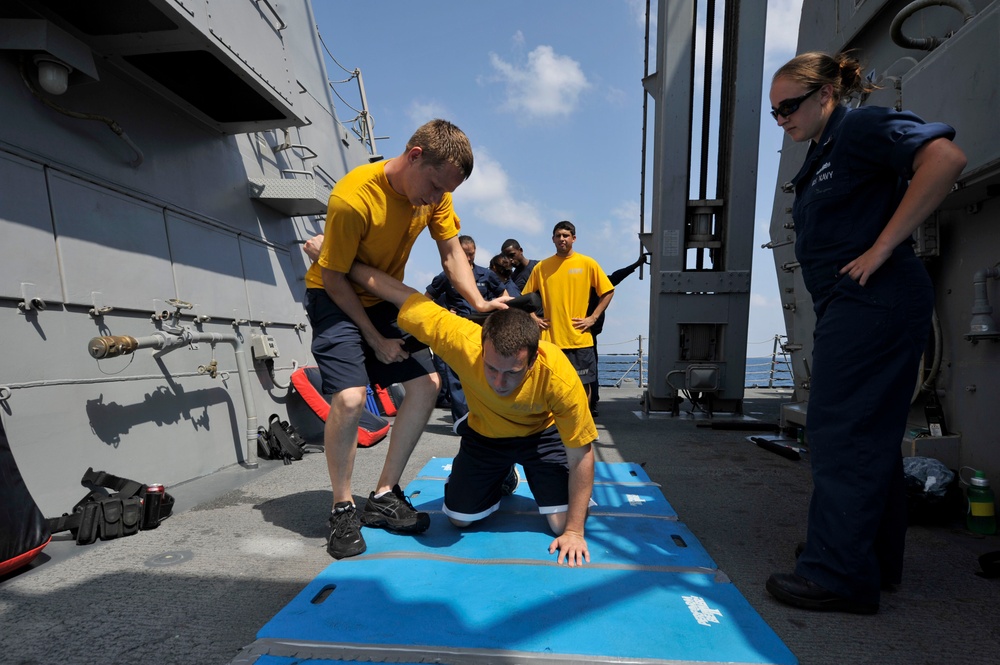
(526, 405)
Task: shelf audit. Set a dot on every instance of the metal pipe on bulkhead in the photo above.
(111, 346)
(966, 8)
(982, 325)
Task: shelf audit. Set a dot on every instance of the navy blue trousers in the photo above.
(451, 388)
(866, 354)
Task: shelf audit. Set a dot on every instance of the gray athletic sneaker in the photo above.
(394, 512)
(510, 482)
(345, 532)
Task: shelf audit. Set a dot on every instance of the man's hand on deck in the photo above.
(572, 548)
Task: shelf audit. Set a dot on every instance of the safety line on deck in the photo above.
(591, 513)
(623, 483)
(402, 554)
(382, 653)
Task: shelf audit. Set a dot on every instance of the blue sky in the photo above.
(549, 92)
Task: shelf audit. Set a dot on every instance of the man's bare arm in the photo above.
(571, 543)
(459, 272)
(380, 284)
(581, 485)
(344, 296)
(542, 323)
(587, 322)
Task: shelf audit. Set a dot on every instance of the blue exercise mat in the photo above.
(616, 531)
(611, 540)
(541, 609)
(491, 593)
(622, 472)
(645, 499)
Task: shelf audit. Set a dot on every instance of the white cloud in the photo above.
(488, 194)
(627, 211)
(616, 236)
(484, 256)
(637, 9)
(782, 34)
(549, 84)
(618, 98)
(421, 112)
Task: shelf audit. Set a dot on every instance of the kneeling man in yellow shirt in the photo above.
(527, 405)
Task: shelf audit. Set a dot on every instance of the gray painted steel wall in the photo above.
(84, 229)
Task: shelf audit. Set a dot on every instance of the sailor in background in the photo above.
(564, 282)
(520, 265)
(854, 214)
(500, 265)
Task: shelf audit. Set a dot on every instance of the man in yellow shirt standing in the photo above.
(374, 215)
(564, 281)
(526, 406)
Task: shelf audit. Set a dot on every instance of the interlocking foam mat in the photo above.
(492, 593)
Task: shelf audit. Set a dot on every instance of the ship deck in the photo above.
(243, 544)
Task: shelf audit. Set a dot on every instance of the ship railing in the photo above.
(777, 369)
(623, 369)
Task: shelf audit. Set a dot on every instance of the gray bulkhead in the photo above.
(957, 82)
(231, 145)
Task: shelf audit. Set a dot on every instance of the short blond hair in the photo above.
(443, 143)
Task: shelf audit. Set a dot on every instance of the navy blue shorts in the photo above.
(345, 360)
(585, 362)
(473, 488)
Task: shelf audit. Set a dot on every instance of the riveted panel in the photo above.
(705, 282)
(953, 73)
(270, 279)
(251, 32)
(109, 244)
(26, 223)
(207, 268)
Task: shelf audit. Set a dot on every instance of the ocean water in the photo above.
(612, 368)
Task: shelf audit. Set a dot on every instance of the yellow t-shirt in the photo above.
(564, 284)
(550, 394)
(368, 221)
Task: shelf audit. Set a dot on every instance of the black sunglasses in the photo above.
(789, 106)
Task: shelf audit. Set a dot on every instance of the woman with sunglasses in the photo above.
(871, 176)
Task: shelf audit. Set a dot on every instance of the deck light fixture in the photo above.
(53, 74)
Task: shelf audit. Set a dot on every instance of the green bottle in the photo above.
(981, 515)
